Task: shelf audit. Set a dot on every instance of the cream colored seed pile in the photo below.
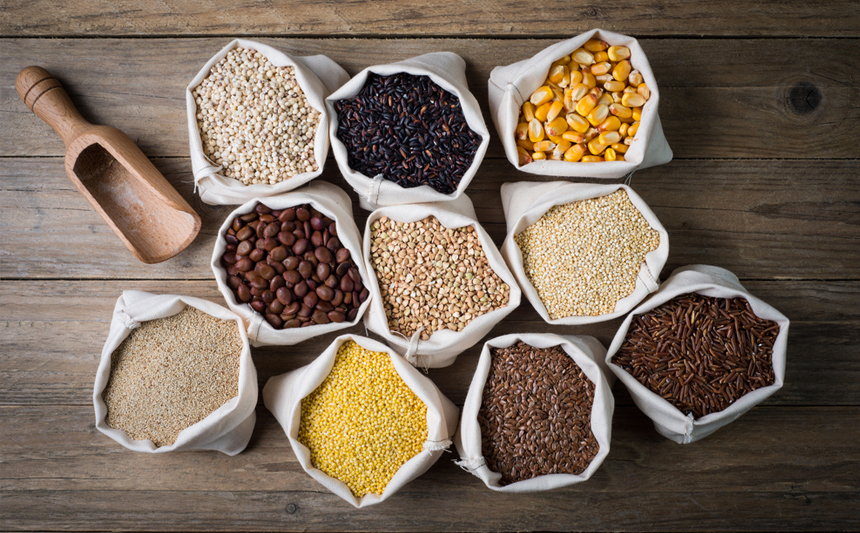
(171, 373)
(584, 256)
(255, 120)
(363, 422)
(433, 276)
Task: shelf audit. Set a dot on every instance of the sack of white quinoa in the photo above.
(511, 86)
(296, 267)
(408, 132)
(438, 282)
(554, 435)
(175, 374)
(361, 420)
(257, 121)
(700, 352)
(582, 253)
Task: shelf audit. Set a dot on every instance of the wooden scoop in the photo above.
(123, 186)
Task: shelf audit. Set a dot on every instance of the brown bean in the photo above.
(293, 308)
(337, 299)
(257, 255)
(333, 244)
(259, 283)
(244, 248)
(262, 209)
(304, 311)
(237, 224)
(270, 244)
(320, 317)
(244, 265)
(233, 282)
(271, 230)
(336, 316)
(284, 295)
(355, 275)
(342, 255)
(274, 320)
(301, 246)
(244, 293)
(323, 255)
(301, 289)
(276, 307)
(293, 323)
(229, 258)
(303, 214)
(346, 284)
(306, 269)
(286, 238)
(317, 223)
(342, 269)
(291, 262)
(310, 299)
(249, 217)
(245, 233)
(323, 271)
(324, 306)
(288, 214)
(325, 293)
(258, 306)
(279, 253)
(292, 276)
(265, 271)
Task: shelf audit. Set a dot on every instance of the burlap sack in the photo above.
(588, 354)
(283, 394)
(526, 202)
(443, 346)
(511, 86)
(317, 75)
(668, 420)
(327, 199)
(228, 429)
(446, 69)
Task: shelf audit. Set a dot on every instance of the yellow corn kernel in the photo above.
(609, 138)
(556, 127)
(523, 157)
(637, 113)
(538, 156)
(598, 115)
(554, 110)
(617, 53)
(588, 78)
(558, 72)
(554, 138)
(574, 137)
(620, 148)
(628, 90)
(535, 130)
(577, 122)
(631, 131)
(542, 95)
(569, 102)
(564, 60)
(610, 154)
(614, 86)
(558, 93)
(595, 45)
(606, 99)
(632, 100)
(596, 91)
(575, 76)
(561, 148)
(578, 91)
(583, 57)
(620, 110)
(591, 159)
(522, 131)
(542, 111)
(586, 104)
(644, 91)
(610, 124)
(601, 68)
(600, 57)
(575, 153)
(595, 146)
(591, 133)
(628, 141)
(544, 146)
(616, 97)
(554, 156)
(620, 157)
(635, 78)
(526, 144)
(602, 79)
(621, 70)
(529, 111)
(623, 129)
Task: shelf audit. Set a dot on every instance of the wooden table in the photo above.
(760, 105)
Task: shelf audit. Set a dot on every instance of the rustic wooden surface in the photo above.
(759, 103)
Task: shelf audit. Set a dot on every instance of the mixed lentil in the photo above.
(433, 277)
(584, 256)
(255, 120)
(363, 422)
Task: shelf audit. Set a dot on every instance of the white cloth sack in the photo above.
(317, 75)
(668, 420)
(525, 202)
(446, 69)
(327, 199)
(227, 429)
(588, 354)
(283, 396)
(443, 346)
(511, 86)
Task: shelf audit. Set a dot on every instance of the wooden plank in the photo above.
(52, 334)
(506, 18)
(58, 472)
(760, 219)
(720, 98)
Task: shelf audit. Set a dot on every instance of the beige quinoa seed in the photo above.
(171, 373)
(584, 256)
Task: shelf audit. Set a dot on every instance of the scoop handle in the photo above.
(45, 97)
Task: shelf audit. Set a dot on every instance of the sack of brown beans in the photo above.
(538, 414)
(584, 107)
(700, 353)
(408, 132)
(582, 253)
(257, 121)
(361, 420)
(439, 284)
(175, 374)
(291, 266)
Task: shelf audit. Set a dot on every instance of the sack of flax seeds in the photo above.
(714, 282)
(317, 77)
(448, 71)
(526, 202)
(431, 298)
(512, 85)
(228, 428)
(283, 396)
(587, 353)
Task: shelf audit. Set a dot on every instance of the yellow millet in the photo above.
(363, 422)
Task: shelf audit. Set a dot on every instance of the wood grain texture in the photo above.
(507, 18)
(720, 98)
